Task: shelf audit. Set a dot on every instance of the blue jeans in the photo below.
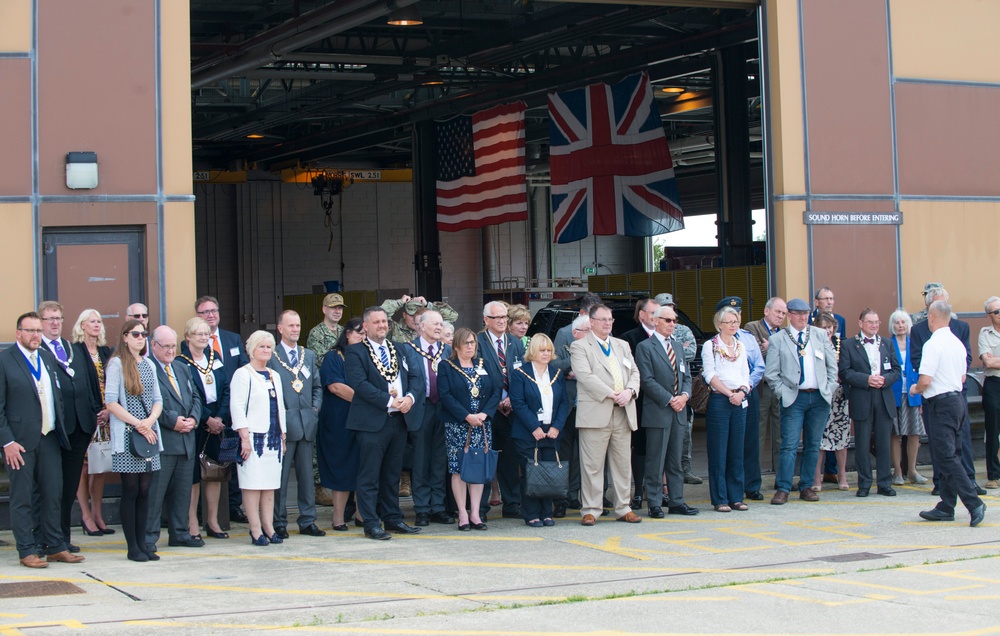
(806, 417)
(725, 426)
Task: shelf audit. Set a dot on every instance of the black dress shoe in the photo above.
(72, 548)
(936, 492)
(979, 489)
(464, 527)
(635, 503)
(559, 511)
(237, 515)
(312, 531)
(281, 532)
(423, 519)
(513, 514)
(887, 492)
(977, 515)
(359, 523)
(478, 526)
(153, 556)
(656, 512)
(216, 535)
(112, 530)
(442, 517)
(341, 528)
(755, 496)
(936, 515)
(683, 509)
(862, 492)
(91, 533)
(186, 543)
(401, 528)
(574, 504)
(378, 534)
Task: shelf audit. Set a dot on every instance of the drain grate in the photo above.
(38, 588)
(854, 556)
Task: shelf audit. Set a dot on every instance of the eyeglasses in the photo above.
(165, 347)
(995, 312)
(497, 317)
(668, 320)
(136, 316)
(31, 331)
(53, 319)
(825, 298)
(137, 334)
(208, 312)
(582, 330)
(729, 323)
(602, 320)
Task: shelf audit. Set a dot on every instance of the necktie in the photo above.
(869, 340)
(432, 381)
(673, 362)
(60, 352)
(40, 386)
(170, 376)
(612, 365)
(802, 361)
(216, 346)
(503, 362)
(383, 355)
(293, 357)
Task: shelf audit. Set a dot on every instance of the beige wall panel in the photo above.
(179, 259)
(791, 268)
(96, 92)
(15, 26)
(953, 243)
(847, 88)
(175, 56)
(15, 126)
(786, 97)
(17, 246)
(949, 143)
(953, 40)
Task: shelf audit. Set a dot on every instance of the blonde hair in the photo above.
(256, 339)
(193, 324)
(77, 333)
(539, 341)
(517, 312)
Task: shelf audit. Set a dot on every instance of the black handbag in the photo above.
(478, 465)
(546, 479)
(229, 447)
(139, 446)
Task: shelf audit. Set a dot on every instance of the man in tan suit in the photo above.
(607, 381)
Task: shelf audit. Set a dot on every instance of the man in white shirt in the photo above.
(989, 353)
(801, 368)
(942, 376)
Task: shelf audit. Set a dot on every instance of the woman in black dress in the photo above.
(337, 452)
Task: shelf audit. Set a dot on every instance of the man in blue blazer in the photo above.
(229, 349)
(32, 434)
(502, 354)
(919, 335)
(385, 389)
(430, 462)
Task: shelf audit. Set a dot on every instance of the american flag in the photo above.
(480, 176)
(610, 166)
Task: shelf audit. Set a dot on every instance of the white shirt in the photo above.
(665, 342)
(943, 359)
(810, 380)
(396, 386)
(288, 350)
(210, 393)
(733, 373)
(545, 390)
(43, 386)
(874, 355)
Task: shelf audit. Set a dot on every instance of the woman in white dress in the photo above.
(258, 412)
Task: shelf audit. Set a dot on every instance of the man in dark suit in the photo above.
(666, 389)
(501, 355)
(80, 411)
(385, 389)
(181, 413)
(868, 369)
(229, 349)
(430, 463)
(303, 393)
(645, 312)
(31, 432)
(919, 335)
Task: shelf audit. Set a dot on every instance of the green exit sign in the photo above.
(590, 271)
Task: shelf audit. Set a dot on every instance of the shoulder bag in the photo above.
(211, 469)
(478, 465)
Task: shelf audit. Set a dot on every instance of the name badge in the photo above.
(217, 364)
(819, 355)
(235, 352)
(886, 366)
(683, 369)
(541, 417)
(626, 363)
(517, 365)
(744, 404)
(406, 367)
(305, 372)
(481, 371)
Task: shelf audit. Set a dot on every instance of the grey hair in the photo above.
(256, 339)
(940, 308)
(896, 315)
(772, 301)
(990, 301)
(659, 312)
(580, 321)
(717, 320)
(493, 303)
(162, 329)
(935, 293)
(423, 317)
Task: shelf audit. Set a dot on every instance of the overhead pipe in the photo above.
(270, 51)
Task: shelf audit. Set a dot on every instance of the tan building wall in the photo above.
(896, 116)
(111, 77)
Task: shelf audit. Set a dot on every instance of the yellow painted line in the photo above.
(793, 597)
(900, 590)
(694, 543)
(12, 615)
(11, 628)
(771, 537)
(957, 574)
(834, 526)
(612, 545)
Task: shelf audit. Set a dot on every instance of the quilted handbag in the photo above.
(546, 479)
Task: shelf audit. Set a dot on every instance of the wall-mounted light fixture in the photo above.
(81, 170)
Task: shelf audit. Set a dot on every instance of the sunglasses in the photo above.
(137, 316)
(137, 334)
(995, 312)
(668, 320)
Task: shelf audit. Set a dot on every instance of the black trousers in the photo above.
(532, 508)
(943, 417)
(72, 465)
(378, 472)
(991, 405)
(35, 494)
(879, 422)
(507, 468)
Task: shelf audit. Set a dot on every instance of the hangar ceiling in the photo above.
(281, 82)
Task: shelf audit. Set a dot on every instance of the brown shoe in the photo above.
(324, 496)
(588, 520)
(829, 478)
(808, 494)
(65, 557)
(630, 517)
(32, 561)
(780, 498)
(404, 484)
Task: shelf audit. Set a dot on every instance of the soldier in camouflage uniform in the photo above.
(684, 335)
(323, 336)
(403, 327)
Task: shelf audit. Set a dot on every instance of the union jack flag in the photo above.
(610, 165)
